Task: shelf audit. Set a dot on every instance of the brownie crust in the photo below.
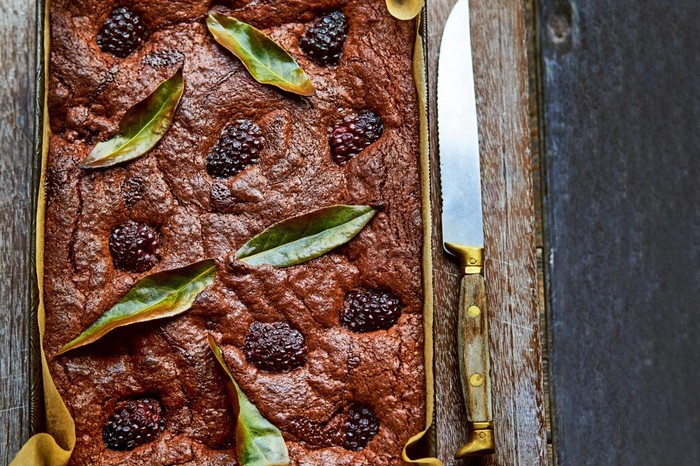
(197, 216)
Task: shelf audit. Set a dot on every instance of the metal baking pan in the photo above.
(37, 407)
(36, 397)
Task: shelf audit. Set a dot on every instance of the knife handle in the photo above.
(474, 358)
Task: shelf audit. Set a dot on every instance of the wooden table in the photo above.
(499, 36)
(17, 74)
(501, 74)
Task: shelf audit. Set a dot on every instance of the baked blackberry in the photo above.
(220, 197)
(275, 347)
(122, 32)
(323, 40)
(238, 147)
(315, 434)
(133, 423)
(351, 135)
(163, 58)
(133, 247)
(54, 182)
(361, 427)
(369, 310)
(132, 191)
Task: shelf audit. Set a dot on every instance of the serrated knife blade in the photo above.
(458, 134)
(462, 222)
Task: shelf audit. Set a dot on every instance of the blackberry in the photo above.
(122, 32)
(369, 310)
(133, 423)
(163, 58)
(323, 41)
(349, 136)
(133, 246)
(312, 433)
(361, 427)
(275, 347)
(238, 147)
(132, 191)
(220, 197)
(55, 180)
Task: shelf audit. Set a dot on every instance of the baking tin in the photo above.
(421, 447)
(36, 391)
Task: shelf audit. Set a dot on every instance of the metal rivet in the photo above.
(476, 380)
(474, 311)
(472, 261)
(482, 435)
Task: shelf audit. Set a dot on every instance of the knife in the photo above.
(462, 222)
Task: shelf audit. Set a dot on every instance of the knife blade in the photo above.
(462, 221)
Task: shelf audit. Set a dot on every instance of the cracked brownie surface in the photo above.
(376, 376)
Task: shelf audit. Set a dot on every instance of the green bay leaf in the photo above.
(258, 441)
(300, 239)
(266, 60)
(159, 295)
(142, 126)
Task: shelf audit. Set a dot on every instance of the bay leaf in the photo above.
(264, 58)
(142, 126)
(300, 239)
(159, 295)
(258, 441)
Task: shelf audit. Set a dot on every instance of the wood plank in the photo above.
(17, 74)
(499, 42)
(622, 105)
(532, 9)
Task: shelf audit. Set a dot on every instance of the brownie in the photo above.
(347, 393)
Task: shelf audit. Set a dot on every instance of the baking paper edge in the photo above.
(54, 447)
(420, 79)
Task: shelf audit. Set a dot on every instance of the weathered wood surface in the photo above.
(499, 48)
(621, 117)
(498, 35)
(17, 74)
(16, 144)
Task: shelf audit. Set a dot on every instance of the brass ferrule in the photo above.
(471, 258)
(481, 441)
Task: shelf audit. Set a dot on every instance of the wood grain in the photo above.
(499, 50)
(620, 113)
(472, 338)
(17, 75)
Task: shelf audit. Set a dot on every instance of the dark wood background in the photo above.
(621, 133)
(499, 30)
